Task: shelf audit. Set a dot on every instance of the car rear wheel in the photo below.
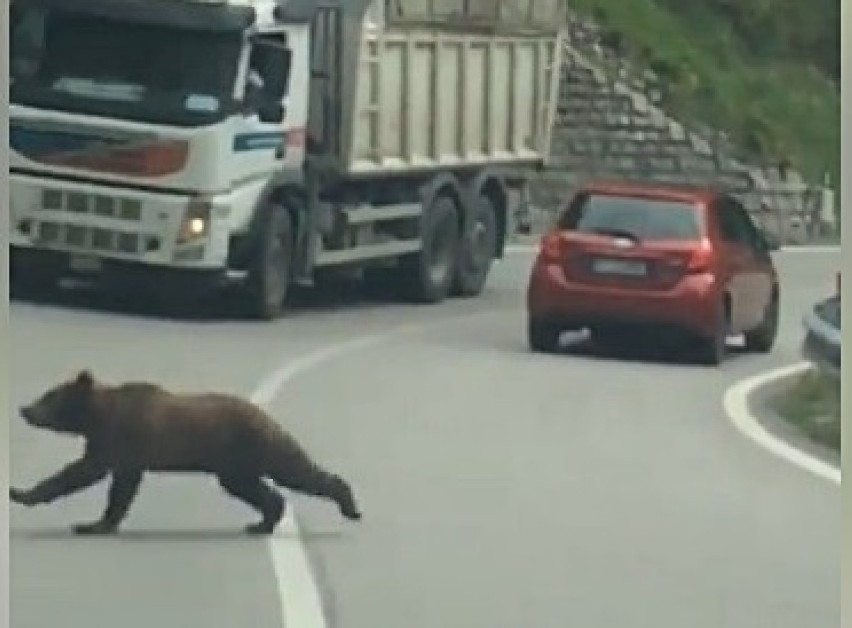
(711, 350)
(762, 338)
(543, 336)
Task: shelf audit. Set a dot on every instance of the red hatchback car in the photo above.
(635, 255)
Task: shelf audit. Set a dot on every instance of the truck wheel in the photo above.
(428, 275)
(269, 276)
(477, 250)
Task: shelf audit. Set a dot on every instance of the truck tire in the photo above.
(271, 267)
(477, 249)
(427, 276)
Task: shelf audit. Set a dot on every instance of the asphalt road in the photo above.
(500, 489)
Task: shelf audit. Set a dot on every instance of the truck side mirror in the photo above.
(273, 67)
(276, 73)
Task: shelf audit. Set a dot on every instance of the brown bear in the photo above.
(137, 427)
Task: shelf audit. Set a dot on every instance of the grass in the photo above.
(771, 109)
(812, 404)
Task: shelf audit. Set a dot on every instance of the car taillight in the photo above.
(701, 259)
(552, 247)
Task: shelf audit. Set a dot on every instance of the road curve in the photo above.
(500, 488)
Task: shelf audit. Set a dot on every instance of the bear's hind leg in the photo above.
(251, 490)
(122, 492)
(319, 483)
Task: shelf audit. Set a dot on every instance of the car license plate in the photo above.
(619, 267)
(88, 264)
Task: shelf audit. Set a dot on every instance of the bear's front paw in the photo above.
(262, 528)
(95, 528)
(21, 497)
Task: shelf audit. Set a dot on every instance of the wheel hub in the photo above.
(480, 243)
(441, 251)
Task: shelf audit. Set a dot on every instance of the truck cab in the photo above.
(143, 132)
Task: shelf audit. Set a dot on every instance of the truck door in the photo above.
(268, 137)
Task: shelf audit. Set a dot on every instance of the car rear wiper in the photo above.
(618, 233)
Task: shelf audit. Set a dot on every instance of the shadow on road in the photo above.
(579, 345)
(640, 351)
(65, 534)
(227, 305)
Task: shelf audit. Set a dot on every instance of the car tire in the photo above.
(712, 350)
(543, 336)
(762, 338)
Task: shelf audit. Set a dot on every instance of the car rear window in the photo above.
(645, 219)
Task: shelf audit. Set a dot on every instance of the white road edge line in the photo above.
(301, 606)
(737, 409)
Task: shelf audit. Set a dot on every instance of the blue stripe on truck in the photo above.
(259, 141)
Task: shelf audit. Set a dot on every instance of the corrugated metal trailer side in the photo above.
(426, 98)
(392, 95)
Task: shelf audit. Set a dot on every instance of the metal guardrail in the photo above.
(822, 344)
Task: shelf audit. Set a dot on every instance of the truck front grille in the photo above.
(55, 224)
(128, 209)
(64, 235)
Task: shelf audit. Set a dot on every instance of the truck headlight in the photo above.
(196, 221)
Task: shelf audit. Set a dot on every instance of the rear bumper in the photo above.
(691, 305)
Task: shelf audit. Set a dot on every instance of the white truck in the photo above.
(190, 142)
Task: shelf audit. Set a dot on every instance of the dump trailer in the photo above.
(187, 143)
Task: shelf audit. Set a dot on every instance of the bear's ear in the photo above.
(85, 380)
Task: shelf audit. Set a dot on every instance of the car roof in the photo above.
(677, 192)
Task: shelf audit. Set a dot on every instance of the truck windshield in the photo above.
(141, 72)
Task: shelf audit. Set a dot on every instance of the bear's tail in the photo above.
(291, 467)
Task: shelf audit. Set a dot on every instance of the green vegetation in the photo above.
(766, 72)
(813, 404)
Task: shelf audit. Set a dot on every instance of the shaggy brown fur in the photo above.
(138, 427)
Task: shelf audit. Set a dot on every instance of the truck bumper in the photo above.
(29, 265)
(119, 226)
